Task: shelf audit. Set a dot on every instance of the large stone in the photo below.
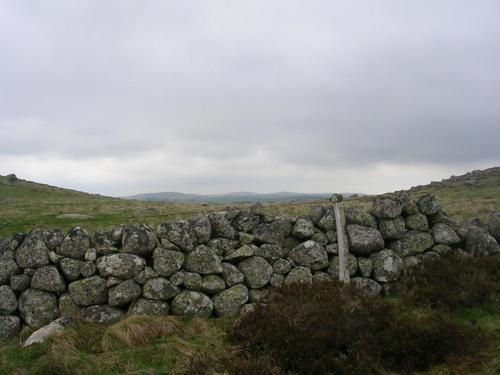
(88, 269)
(257, 271)
(212, 284)
(75, 244)
(231, 274)
(358, 216)
(149, 307)
(138, 239)
(91, 291)
(8, 300)
(334, 270)
(299, 275)
(179, 233)
(417, 221)
(494, 225)
(49, 279)
(102, 314)
(479, 242)
(229, 302)
(201, 227)
(223, 246)
(412, 243)
(272, 233)
(444, 234)
(327, 222)
(269, 252)
(8, 268)
(245, 251)
(386, 208)
(192, 281)
(37, 307)
(52, 238)
(123, 265)
(310, 254)
(160, 289)
(246, 221)
(124, 293)
(109, 241)
(387, 266)
(68, 307)
(365, 266)
(167, 262)
(391, 229)
(19, 283)
(10, 326)
(368, 286)
(146, 274)
(33, 252)
(203, 260)
(364, 240)
(71, 268)
(428, 205)
(221, 227)
(282, 266)
(193, 304)
(303, 228)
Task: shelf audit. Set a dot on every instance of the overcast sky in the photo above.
(123, 97)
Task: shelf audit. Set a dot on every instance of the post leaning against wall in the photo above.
(341, 238)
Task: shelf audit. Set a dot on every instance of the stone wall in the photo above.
(220, 263)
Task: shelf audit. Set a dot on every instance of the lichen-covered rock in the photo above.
(442, 249)
(387, 208)
(8, 300)
(71, 268)
(303, 228)
(246, 238)
(177, 278)
(88, 269)
(37, 307)
(246, 221)
(160, 289)
(212, 284)
(138, 239)
(332, 249)
(67, 307)
(75, 244)
(387, 266)
(149, 307)
(223, 246)
(8, 268)
(272, 233)
(49, 279)
(358, 216)
(146, 274)
(179, 233)
(282, 266)
(257, 271)
(191, 303)
(123, 265)
(364, 240)
(102, 314)
(365, 266)
(269, 252)
(33, 252)
(368, 286)
(352, 266)
(192, 281)
(109, 241)
(428, 205)
(203, 260)
(417, 221)
(91, 291)
(245, 251)
(167, 262)
(231, 274)
(10, 326)
(229, 302)
(412, 243)
(494, 225)
(311, 255)
(299, 275)
(391, 229)
(479, 242)
(444, 234)
(277, 280)
(221, 227)
(201, 227)
(52, 238)
(321, 277)
(320, 238)
(124, 293)
(19, 283)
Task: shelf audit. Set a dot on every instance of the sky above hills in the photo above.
(124, 97)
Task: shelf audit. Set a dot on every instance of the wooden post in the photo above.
(341, 238)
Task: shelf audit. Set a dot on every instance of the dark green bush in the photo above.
(336, 329)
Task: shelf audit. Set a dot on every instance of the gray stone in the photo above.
(299, 275)
(321, 277)
(258, 295)
(332, 236)
(417, 221)
(201, 227)
(111, 281)
(246, 238)
(52, 238)
(444, 234)
(282, 266)
(191, 303)
(257, 271)
(179, 233)
(223, 246)
(29, 271)
(138, 239)
(317, 213)
(277, 280)
(332, 248)
(327, 222)
(123, 265)
(364, 240)
(311, 255)
(269, 252)
(358, 216)
(368, 286)
(442, 249)
(124, 293)
(387, 266)
(246, 221)
(272, 233)
(91, 255)
(75, 244)
(54, 257)
(8, 268)
(10, 326)
(494, 225)
(352, 266)
(37, 307)
(149, 307)
(412, 243)
(167, 262)
(245, 251)
(68, 307)
(212, 284)
(365, 266)
(203, 260)
(479, 242)
(177, 278)
(391, 229)
(231, 275)
(229, 302)
(221, 227)
(107, 242)
(386, 208)
(91, 291)
(33, 252)
(160, 289)
(428, 205)
(8, 300)
(192, 281)
(88, 269)
(71, 268)
(146, 274)
(19, 283)
(48, 278)
(303, 228)
(320, 238)
(102, 314)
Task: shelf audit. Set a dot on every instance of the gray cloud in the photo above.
(222, 95)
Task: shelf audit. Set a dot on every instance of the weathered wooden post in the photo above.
(341, 238)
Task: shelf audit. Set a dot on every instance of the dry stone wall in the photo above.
(221, 263)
